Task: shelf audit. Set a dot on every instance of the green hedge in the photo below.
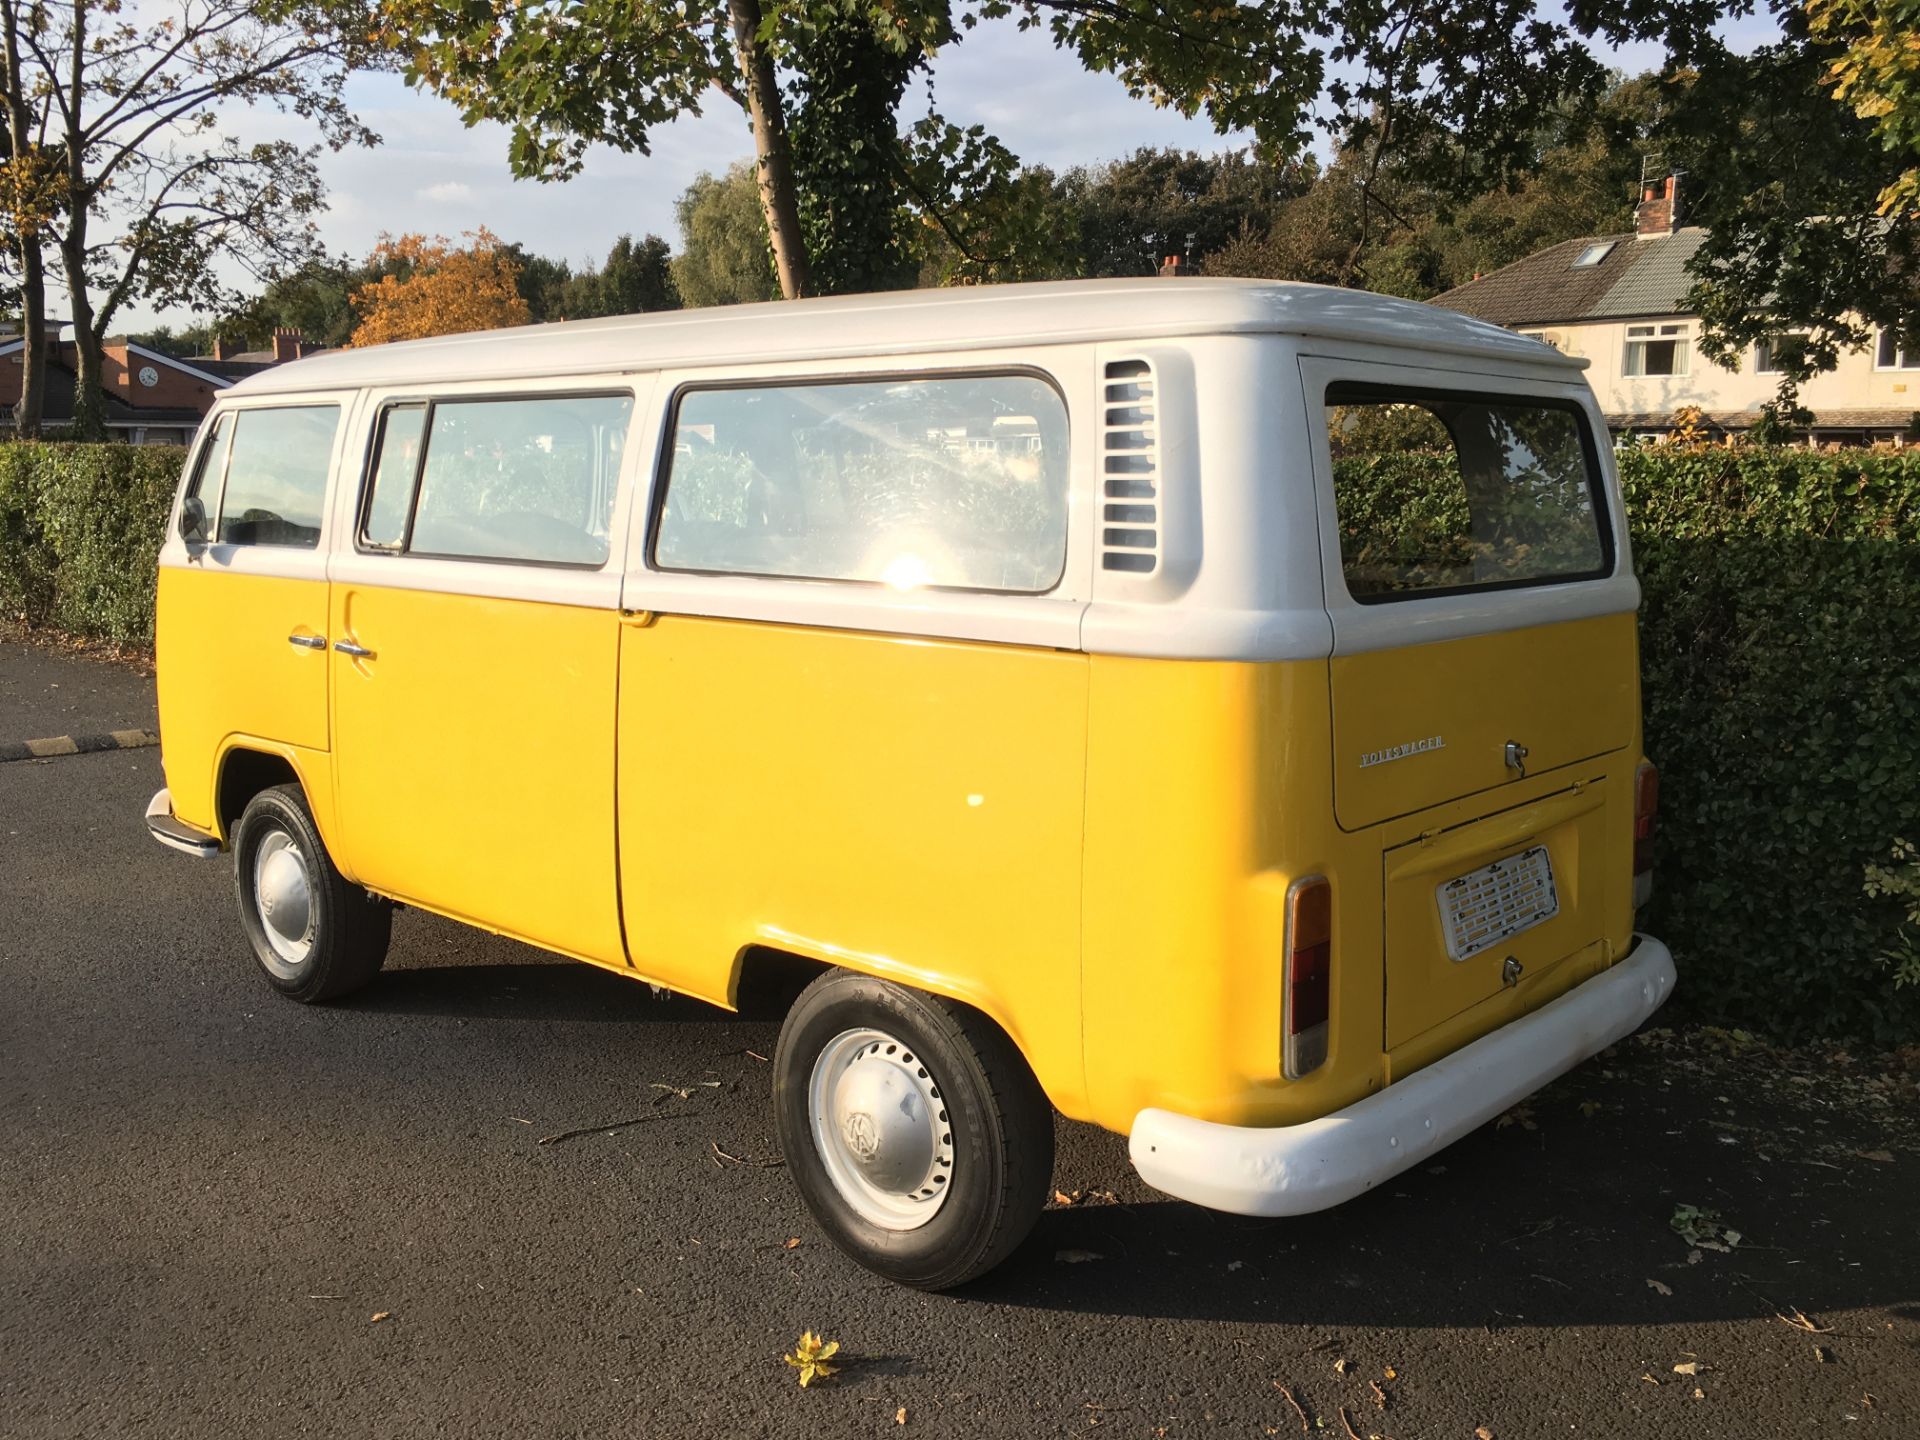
(80, 527)
(1780, 662)
(1780, 652)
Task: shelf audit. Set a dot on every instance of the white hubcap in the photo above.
(880, 1129)
(283, 891)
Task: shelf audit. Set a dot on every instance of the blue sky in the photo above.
(433, 174)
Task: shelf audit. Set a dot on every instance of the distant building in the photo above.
(1620, 301)
(150, 398)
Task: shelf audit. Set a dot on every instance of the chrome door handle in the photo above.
(308, 642)
(358, 652)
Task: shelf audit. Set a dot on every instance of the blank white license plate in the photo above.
(1480, 909)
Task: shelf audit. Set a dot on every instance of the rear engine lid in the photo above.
(1473, 910)
(1419, 726)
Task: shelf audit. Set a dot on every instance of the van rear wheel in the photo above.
(917, 1135)
(315, 934)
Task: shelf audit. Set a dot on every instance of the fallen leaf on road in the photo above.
(1235, 1264)
(1061, 1197)
(900, 1416)
(1340, 1367)
(792, 1244)
(1823, 1354)
(1481, 1432)
(1691, 1367)
(1076, 1257)
(1698, 1393)
(1391, 1373)
(380, 1315)
(1658, 1288)
(1379, 1395)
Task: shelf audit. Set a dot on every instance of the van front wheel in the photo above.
(916, 1133)
(315, 934)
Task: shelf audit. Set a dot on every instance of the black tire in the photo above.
(347, 928)
(996, 1118)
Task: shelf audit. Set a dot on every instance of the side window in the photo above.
(1442, 493)
(396, 466)
(530, 479)
(276, 476)
(212, 467)
(958, 482)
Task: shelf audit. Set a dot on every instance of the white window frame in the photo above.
(1639, 336)
(1904, 359)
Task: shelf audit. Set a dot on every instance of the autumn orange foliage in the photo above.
(446, 290)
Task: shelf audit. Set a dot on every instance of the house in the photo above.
(150, 398)
(1621, 302)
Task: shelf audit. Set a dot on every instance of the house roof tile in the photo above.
(1636, 277)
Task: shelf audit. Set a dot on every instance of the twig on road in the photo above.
(609, 1127)
(1352, 1434)
(1286, 1393)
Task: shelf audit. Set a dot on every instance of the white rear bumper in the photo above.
(1297, 1169)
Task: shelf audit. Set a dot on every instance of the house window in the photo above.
(1892, 355)
(1656, 350)
(1543, 337)
(1593, 255)
(1770, 355)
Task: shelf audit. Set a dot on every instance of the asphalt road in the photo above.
(209, 1197)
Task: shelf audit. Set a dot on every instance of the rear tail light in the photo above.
(1308, 981)
(1646, 809)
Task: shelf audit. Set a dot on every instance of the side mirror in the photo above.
(193, 520)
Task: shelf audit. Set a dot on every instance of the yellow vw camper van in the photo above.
(1043, 668)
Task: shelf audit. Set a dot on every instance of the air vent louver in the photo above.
(1130, 480)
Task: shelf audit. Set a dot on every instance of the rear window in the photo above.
(1441, 493)
(955, 481)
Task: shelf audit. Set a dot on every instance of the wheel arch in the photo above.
(245, 765)
(763, 972)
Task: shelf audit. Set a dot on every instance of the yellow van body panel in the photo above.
(230, 672)
(1210, 789)
(909, 808)
(475, 761)
(1566, 692)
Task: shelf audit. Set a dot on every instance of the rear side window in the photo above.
(1440, 493)
(530, 479)
(275, 483)
(956, 481)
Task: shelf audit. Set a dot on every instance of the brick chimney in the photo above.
(1172, 269)
(225, 347)
(288, 344)
(1658, 212)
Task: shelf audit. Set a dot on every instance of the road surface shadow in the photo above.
(1565, 1217)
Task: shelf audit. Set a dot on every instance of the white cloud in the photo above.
(448, 192)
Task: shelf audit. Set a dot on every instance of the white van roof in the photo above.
(909, 321)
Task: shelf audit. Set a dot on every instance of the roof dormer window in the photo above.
(1593, 254)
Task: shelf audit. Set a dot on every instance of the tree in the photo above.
(636, 278)
(154, 200)
(185, 343)
(1877, 72)
(832, 169)
(1133, 213)
(314, 297)
(435, 288)
(30, 197)
(723, 257)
